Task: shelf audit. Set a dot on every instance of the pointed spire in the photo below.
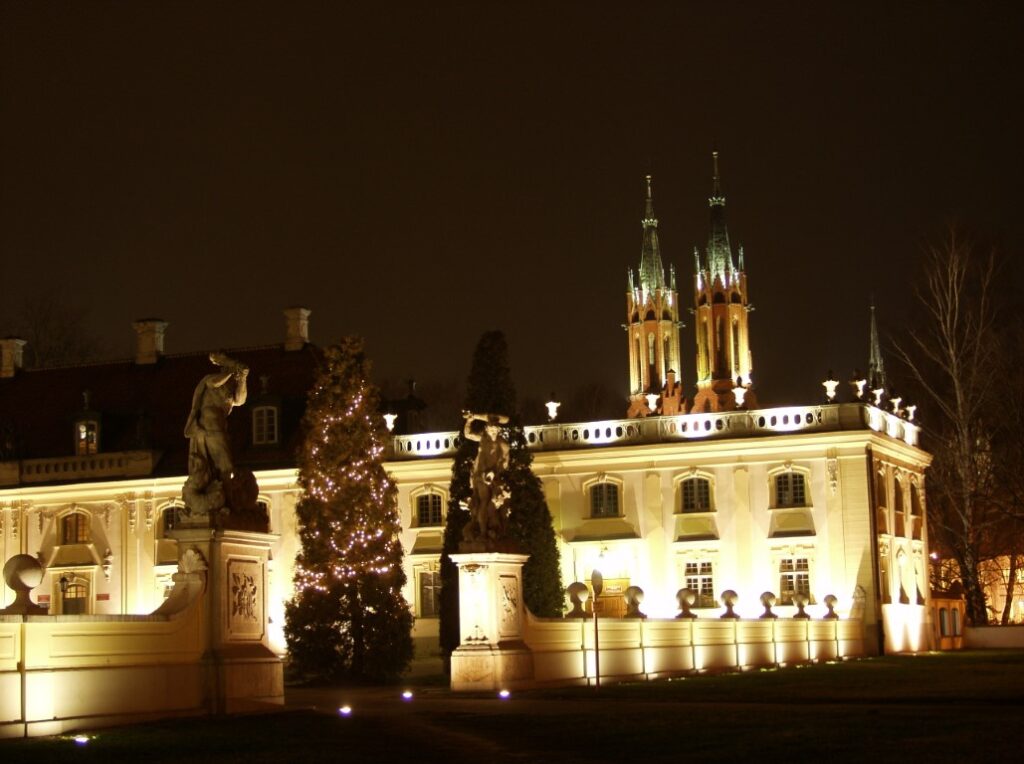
(716, 185)
(876, 366)
(720, 261)
(652, 272)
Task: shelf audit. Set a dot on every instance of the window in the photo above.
(429, 593)
(169, 519)
(74, 528)
(943, 622)
(956, 621)
(428, 509)
(700, 578)
(794, 578)
(696, 495)
(789, 490)
(264, 425)
(604, 500)
(898, 498)
(881, 499)
(87, 437)
(915, 501)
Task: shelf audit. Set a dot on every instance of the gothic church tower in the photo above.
(652, 315)
(720, 307)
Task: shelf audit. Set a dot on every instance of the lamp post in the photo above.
(597, 583)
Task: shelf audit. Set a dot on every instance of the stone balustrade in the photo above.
(682, 427)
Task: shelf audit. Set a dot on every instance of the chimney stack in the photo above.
(12, 352)
(296, 328)
(149, 339)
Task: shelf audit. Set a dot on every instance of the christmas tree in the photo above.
(348, 619)
(489, 390)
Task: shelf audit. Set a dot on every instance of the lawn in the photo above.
(944, 707)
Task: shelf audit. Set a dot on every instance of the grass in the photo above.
(944, 707)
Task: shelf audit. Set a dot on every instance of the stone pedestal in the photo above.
(245, 674)
(492, 655)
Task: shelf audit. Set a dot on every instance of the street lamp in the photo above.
(597, 583)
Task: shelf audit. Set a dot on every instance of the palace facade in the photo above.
(708, 493)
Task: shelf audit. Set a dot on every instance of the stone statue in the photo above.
(488, 503)
(214, 488)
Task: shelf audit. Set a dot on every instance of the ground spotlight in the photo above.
(407, 695)
(345, 711)
(504, 694)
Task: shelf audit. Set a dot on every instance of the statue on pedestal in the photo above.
(215, 489)
(489, 501)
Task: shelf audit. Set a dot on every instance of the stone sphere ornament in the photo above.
(23, 573)
(831, 601)
(578, 595)
(686, 598)
(729, 600)
(634, 597)
(768, 600)
(801, 600)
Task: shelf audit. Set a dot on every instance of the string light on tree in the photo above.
(348, 618)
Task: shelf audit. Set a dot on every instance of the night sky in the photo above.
(419, 176)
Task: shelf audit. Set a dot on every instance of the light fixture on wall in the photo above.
(64, 584)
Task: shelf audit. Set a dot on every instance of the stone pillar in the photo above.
(245, 674)
(493, 654)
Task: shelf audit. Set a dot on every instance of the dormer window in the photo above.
(264, 425)
(87, 429)
(74, 528)
(87, 437)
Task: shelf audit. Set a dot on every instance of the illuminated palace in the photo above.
(710, 492)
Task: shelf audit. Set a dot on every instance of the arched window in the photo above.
(74, 528)
(956, 622)
(650, 348)
(169, 519)
(790, 490)
(735, 344)
(944, 622)
(915, 501)
(696, 495)
(604, 500)
(881, 497)
(898, 497)
(428, 510)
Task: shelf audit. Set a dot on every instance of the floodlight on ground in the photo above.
(504, 694)
(407, 695)
(345, 711)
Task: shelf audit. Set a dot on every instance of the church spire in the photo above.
(652, 272)
(721, 308)
(719, 252)
(652, 314)
(876, 366)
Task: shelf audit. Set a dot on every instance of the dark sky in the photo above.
(419, 175)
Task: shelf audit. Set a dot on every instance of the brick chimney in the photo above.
(296, 328)
(12, 352)
(149, 339)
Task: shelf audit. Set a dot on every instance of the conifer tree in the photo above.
(489, 390)
(348, 619)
